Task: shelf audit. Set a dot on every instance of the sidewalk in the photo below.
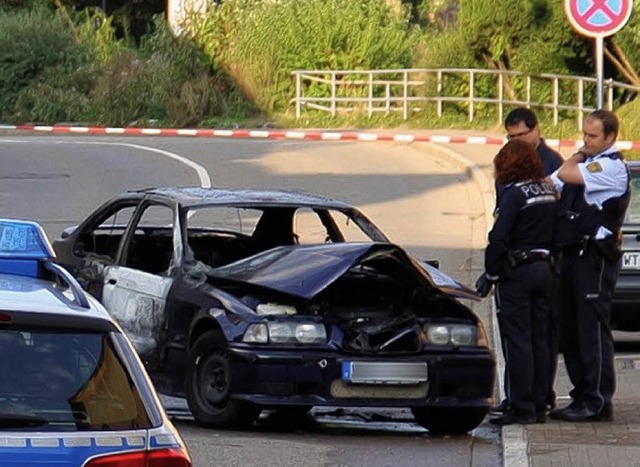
(557, 443)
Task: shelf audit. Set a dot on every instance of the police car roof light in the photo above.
(23, 240)
(5, 318)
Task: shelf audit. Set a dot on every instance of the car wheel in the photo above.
(208, 386)
(449, 421)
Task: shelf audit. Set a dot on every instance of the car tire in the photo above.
(208, 386)
(449, 421)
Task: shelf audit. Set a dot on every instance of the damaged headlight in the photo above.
(285, 333)
(454, 334)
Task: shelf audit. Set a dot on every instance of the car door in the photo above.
(87, 249)
(135, 289)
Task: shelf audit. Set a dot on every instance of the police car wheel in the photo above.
(445, 420)
(208, 384)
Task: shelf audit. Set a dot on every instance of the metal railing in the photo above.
(411, 90)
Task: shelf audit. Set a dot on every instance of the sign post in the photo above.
(598, 19)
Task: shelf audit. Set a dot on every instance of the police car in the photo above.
(72, 389)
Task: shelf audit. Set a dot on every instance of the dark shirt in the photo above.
(551, 158)
(524, 221)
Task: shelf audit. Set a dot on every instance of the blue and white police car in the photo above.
(72, 389)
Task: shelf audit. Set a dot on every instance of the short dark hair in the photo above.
(610, 123)
(521, 114)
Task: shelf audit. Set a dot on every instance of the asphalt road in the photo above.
(422, 200)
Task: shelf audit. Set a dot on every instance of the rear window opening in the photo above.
(71, 381)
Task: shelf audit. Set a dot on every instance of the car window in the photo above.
(103, 238)
(241, 220)
(349, 229)
(633, 212)
(151, 247)
(308, 228)
(67, 380)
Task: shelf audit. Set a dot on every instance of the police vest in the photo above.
(578, 220)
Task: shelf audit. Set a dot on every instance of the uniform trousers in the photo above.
(524, 308)
(585, 294)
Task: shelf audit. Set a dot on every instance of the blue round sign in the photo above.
(598, 17)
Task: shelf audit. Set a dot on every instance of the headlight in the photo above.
(463, 335)
(454, 334)
(285, 333)
(257, 334)
(438, 335)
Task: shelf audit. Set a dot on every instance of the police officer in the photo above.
(594, 184)
(517, 259)
(522, 125)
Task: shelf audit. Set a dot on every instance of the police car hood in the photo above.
(305, 271)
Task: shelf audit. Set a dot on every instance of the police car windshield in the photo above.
(65, 381)
(633, 212)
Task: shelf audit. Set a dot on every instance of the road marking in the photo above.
(203, 175)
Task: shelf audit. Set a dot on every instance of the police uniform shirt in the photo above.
(524, 221)
(603, 177)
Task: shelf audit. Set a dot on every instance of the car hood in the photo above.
(305, 271)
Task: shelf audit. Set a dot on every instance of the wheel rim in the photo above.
(214, 380)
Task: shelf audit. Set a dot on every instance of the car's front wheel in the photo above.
(445, 421)
(208, 386)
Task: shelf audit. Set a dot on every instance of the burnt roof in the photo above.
(197, 196)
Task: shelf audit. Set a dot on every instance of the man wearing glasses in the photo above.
(522, 124)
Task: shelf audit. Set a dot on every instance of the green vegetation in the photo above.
(233, 65)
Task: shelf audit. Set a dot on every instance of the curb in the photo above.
(312, 135)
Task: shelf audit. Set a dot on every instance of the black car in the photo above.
(242, 300)
(626, 298)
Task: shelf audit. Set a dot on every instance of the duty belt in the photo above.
(520, 257)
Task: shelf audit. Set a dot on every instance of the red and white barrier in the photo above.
(309, 135)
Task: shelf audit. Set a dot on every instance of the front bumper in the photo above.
(277, 377)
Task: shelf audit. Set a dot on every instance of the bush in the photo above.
(259, 43)
(33, 42)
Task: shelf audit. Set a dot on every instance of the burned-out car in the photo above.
(243, 300)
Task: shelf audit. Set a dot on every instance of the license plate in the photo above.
(384, 372)
(631, 260)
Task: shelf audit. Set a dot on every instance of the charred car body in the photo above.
(244, 299)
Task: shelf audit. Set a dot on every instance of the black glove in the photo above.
(483, 285)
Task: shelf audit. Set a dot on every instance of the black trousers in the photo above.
(584, 304)
(524, 310)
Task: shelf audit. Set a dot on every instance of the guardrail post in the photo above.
(387, 91)
(298, 93)
(556, 97)
(609, 87)
(333, 93)
(500, 97)
(370, 94)
(580, 102)
(472, 84)
(405, 95)
(439, 93)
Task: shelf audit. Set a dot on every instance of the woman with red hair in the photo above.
(517, 260)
